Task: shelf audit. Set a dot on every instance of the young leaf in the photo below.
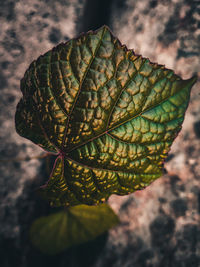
(109, 114)
(54, 233)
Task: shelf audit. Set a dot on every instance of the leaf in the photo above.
(54, 233)
(110, 115)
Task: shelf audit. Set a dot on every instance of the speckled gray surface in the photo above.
(159, 225)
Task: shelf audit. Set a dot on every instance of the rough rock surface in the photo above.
(159, 225)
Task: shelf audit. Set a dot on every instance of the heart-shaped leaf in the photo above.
(54, 233)
(110, 115)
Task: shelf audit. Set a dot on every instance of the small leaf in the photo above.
(110, 115)
(54, 233)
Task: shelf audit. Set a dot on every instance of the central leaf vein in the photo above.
(80, 87)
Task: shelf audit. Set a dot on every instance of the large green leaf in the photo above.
(110, 115)
(59, 231)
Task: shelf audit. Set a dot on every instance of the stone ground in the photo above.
(160, 226)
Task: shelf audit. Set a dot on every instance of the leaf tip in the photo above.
(193, 79)
(105, 28)
(190, 82)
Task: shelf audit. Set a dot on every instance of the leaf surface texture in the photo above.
(110, 115)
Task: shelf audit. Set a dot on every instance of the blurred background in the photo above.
(160, 226)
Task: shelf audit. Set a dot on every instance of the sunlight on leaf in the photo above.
(54, 233)
(110, 115)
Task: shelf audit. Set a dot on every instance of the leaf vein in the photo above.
(116, 126)
(37, 114)
(52, 91)
(104, 169)
(122, 90)
(77, 96)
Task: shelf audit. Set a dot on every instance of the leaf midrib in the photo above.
(78, 94)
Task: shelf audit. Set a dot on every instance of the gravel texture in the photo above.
(159, 225)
